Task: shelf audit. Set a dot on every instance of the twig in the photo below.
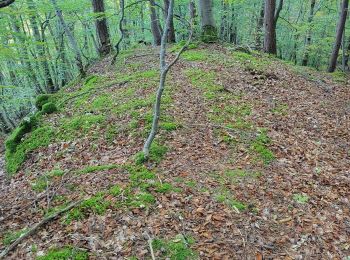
(34, 228)
(150, 240)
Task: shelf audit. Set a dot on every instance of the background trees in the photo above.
(45, 44)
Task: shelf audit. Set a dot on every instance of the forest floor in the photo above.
(251, 162)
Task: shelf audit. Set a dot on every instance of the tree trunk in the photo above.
(209, 30)
(260, 26)
(40, 47)
(308, 36)
(339, 35)
(270, 45)
(101, 27)
(155, 26)
(73, 42)
(171, 33)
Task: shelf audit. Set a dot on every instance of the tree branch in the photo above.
(34, 228)
(4, 3)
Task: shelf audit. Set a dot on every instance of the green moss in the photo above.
(156, 154)
(66, 253)
(253, 62)
(41, 100)
(115, 190)
(163, 187)
(40, 137)
(175, 249)
(178, 46)
(73, 127)
(141, 200)
(339, 76)
(195, 56)
(12, 236)
(140, 173)
(225, 196)
(102, 102)
(97, 168)
(300, 198)
(280, 109)
(49, 108)
(260, 147)
(96, 204)
(41, 183)
(209, 34)
(169, 126)
(235, 175)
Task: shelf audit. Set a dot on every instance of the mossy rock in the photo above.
(209, 34)
(41, 100)
(49, 108)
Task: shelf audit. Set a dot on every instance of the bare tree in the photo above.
(121, 30)
(164, 69)
(101, 27)
(339, 36)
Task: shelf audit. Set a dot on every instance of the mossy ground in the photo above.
(219, 151)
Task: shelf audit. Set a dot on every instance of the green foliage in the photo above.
(225, 196)
(66, 253)
(40, 137)
(163, 187)
(97, 168)
(79, 125)
(175, 249)
(156, 154)
(300, 198)
(12, 236)
(195, 55)
(49, 108)
(260, 147)
(41, 100)
(169, 126)
(256, 62)
(209, 34)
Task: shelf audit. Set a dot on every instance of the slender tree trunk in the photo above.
(339, 35)
(224, 23)
(309, 34)
(209, 30)
(260, 26)
(101, 27)
(171, 33)
(73, 42)
(40, 47)
(4, 3)
(155, 26)
(270, 45)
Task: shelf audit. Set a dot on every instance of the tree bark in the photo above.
(101, 27)
(260, 26)
(171, 33)
(40, 47)
(209, 30)
(270, 45)
(308, 36)
(155, 26)
(73, 42)
(339, 35)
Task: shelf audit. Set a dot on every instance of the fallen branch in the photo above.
(92, 90)
(150, 240)
(34, 228)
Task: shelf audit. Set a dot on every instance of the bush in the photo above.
(49, 108)
(41, 100)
